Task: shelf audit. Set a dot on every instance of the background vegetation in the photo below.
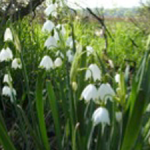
(49, 110)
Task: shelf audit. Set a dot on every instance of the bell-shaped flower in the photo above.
(89, 93)
(89, 50)
(48, 26)
(7, 91)
(105, 92)
(16, 63)
(8, 35)
(46, 63)
(70, 55)
(118, 116)
(117, 78)
(51, 10)
(6, 54)
(58, 62)
(101, 115)
(93, 72)
(51, 42)
(7, 78)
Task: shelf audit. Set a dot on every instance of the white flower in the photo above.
(7, 79)
(58, 62)
(16, 63)
(101, 115)
(94, 72)
(90, 50)
(51, 42)
(8, 35)
(7, 91)
(117, 78)
(48, 26)
(105, 91)
(51, 10)
(59, 53)
(70, 55)
(46, 63)
(118, 116)
(6, 54)
(89, 93)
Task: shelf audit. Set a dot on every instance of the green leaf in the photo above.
(5, 140)
(40, 112)
(54, 108)
(134, 123)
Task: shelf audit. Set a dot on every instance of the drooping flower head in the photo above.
(51, 42)
(105, 92)
(6, 54)
(101, 115)
(7, 91)
(58, 62)
(16, 63)
(8, 35)
(48, 26)
(51, 10)
(7, 78)
(89, 93)
(46, 63)
(93, 72)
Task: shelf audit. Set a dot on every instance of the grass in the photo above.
(48, 111)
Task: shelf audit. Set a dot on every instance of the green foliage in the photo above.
(49, 112)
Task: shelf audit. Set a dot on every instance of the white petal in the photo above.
(96, 73)
(48, 26)
(6, 55)
(101, 115)
(8, 35)
(89, 93)
(7, 79)
(16, 63)
(58, 62)
(46, 63)
(7, 91)
(51, 42)
(105, 91)
(88, 74)
(117, 78)
(51, 10)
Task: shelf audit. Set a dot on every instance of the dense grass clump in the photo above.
(72, 92)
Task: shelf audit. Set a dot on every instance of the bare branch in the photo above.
(101, 21)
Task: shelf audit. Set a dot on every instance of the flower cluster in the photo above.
(100, 94)
(6, 55)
